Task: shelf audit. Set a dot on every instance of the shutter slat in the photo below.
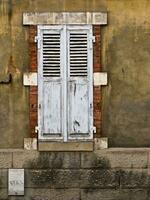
(51, 55)
(78, 54)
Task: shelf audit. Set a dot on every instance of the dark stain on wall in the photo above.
(100, 162)
(10, 10)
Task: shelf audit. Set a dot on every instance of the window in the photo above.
(65, 82)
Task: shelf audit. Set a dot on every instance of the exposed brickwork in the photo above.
(97, 89)
(96, 53)
(33, 89)
(32, 49)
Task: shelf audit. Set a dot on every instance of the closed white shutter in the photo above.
(80, 105)
(65, 82)
(50, 82)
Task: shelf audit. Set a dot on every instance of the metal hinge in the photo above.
(94, 129)
(37, 39)
(93, 38)
(36, 129)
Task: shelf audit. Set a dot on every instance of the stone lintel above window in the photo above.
(36, 18)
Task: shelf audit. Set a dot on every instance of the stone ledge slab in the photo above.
(46, 160)
(65, 146)
(97, 18)
(114, 159)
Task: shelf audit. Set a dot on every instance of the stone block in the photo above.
(19, 198)
(135, 178)
(113, 194)
(65, 194)
(148, 165)
(3, 194)
(5, 160)
(46, 160)
(30, 143)
(65, 18)
(22, 159)
(3, 178)
(101, 143)
(92, 160)
(65, 146)
(37, 194)
(115, 159)
(52, 178)
(57, 160)
(99, 179)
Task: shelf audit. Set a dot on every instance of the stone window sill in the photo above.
(65, 146)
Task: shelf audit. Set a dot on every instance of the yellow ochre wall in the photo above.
(125, 56)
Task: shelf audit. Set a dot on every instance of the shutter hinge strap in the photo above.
(37, 40)
(94, 129)
(93, 38)
(36, 129)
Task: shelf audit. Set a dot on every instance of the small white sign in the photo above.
(16, 182)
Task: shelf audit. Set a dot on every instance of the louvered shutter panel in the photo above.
(80, 112)
(50, 83)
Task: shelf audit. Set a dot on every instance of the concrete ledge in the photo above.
(63, 146)
(65, 18)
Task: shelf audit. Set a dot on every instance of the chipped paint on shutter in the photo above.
(65, 88)
(80, 106)
(50, 82)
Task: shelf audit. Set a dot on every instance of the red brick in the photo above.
(33, 89)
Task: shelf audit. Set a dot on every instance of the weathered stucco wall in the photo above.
(125, 55)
